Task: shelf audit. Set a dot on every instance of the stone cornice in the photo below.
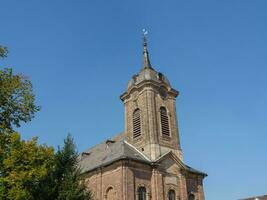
(172, 93)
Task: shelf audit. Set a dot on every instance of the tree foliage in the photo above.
(3, 52)
(28, 170)
(17, 100)
(26, 165)
(64, 181)
(69, 184)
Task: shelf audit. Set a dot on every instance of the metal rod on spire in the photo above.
(145, 52)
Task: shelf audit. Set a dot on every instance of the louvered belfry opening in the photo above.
(136, 123)
(165, 129)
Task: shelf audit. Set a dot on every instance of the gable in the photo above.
(172, 164)
(169, 165)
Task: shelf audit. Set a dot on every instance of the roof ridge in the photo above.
(115, 137)
(162, 156)
(134, 148)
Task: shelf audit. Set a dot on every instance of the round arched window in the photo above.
(141, 193)
(171, 195)
(191, 197)
(110, 194)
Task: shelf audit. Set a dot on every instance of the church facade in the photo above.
(145, 162)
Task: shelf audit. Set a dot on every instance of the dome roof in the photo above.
(148, 74)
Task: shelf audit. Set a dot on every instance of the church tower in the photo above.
(150, 112)
(145, 161)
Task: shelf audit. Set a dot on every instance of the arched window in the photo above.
(141, 193)
(165, 129)
(136, 123)
(171, 195)
(110, 194)
(191, 197)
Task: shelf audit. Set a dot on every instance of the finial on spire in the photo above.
(145, 52)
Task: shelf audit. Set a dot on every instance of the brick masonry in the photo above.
(120, 180)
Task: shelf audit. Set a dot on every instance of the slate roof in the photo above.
(108, 152)
(148, 74)
(117, 149)
(194, 170)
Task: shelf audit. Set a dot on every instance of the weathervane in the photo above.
(145, 32)
(145, 52)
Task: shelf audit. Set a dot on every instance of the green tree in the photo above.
(3, 51)
(30, 171)
(27, 164)
(17, 100)
(64, 182)
(23, 164)
(16, 105)
(70, 186)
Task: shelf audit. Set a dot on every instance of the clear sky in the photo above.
(81, 54)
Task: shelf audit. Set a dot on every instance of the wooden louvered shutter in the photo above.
(165, 129)
(136, 123)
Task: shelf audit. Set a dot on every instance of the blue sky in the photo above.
(81, 54)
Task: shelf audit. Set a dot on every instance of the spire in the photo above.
(145, 52)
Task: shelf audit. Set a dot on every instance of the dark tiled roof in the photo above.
(116, 149)
(194, 170)
(108, 152)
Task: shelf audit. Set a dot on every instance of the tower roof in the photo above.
(147, 64)
(147, 72)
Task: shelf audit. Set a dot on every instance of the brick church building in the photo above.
(145, 162)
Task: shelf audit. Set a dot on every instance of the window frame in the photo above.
(144, 192)
(136, 121)
(191, 196)
(161, 109)
(171, 191)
